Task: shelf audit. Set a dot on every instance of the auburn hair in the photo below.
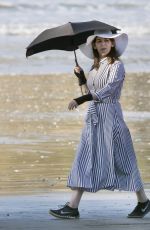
(112, 56)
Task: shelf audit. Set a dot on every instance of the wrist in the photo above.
(82, 81)
(84, 98)
(81, 77)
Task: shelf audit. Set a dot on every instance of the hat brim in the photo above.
(121, 42)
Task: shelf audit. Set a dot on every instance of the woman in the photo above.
(105, 157)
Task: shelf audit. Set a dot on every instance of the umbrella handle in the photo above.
(76, 61)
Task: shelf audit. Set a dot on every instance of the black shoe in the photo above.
(65, 213)
(140, 210)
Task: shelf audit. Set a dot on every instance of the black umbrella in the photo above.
(66, 37)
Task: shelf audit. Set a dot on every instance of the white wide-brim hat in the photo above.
(121, 42)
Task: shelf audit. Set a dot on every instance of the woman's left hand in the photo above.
(73, 104)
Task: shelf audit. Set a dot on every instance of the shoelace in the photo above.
(64, 205)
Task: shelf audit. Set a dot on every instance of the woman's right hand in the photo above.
(78, 71)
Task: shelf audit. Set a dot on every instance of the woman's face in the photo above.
(103, 46)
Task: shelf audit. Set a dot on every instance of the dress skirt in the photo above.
(105, 157)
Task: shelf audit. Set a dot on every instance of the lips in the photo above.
(103, 49)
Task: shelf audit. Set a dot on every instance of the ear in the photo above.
(94, 47)
(112, 44)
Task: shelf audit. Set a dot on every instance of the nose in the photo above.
(103, 42)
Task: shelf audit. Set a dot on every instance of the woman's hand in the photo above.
(73, 104)
(78, 69)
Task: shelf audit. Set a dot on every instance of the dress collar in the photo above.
(103, 59)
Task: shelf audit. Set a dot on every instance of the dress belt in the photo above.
(92, 113)
(107, 100)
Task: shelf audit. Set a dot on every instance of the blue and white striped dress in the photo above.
(105, 157)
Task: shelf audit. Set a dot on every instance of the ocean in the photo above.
(38, 135)
(22, 20)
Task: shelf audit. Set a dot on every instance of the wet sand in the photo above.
(102, 210)
(39, 136)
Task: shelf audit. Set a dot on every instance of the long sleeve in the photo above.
(85, 89)
(115, 79)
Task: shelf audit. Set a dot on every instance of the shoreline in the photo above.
(66, 73)
(66, 190)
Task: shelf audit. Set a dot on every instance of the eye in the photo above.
(106, 40)
(98, 40)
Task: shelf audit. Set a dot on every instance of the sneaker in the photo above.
(65, 213)
(140, 210)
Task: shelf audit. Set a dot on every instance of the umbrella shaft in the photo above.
(76, 58)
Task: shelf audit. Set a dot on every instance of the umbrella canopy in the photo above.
(66, 37)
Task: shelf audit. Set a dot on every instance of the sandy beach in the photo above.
(102, 210)
(38, 138)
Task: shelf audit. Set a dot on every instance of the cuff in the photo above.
(84, 98)
(96, 97)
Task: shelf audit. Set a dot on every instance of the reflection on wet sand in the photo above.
(39, 136)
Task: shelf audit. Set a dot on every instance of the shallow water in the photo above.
(39, 136)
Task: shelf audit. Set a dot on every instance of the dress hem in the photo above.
(105, 188)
